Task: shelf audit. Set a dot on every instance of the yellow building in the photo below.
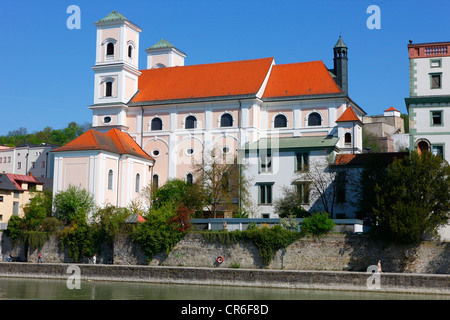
(15, 192)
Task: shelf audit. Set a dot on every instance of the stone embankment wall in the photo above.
(332, 253)
(335, 280)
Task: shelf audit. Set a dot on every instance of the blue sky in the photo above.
(46, 77)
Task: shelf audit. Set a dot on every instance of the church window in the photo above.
(155, 182)
(280, 121)
(189, 178)
(156, 124)
(107, 119)
(110, 49)
(226, 120)
(348, 138)
(191, 122)
(130, 51)
(138, 182)
(110, 179)
(108, 89)
(314, 119)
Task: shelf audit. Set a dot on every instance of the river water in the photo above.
(47, 289)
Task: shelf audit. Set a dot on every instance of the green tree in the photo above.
(290, 205)
(179, 192)
(414, 198)
(73, 205)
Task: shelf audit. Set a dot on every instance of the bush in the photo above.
(318, 224)
(73, 205)
(80, 241)
(156, 234)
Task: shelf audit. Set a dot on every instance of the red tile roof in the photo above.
(224, 79)
(16, 178)
(348, 115)
(114, 141)
(391, 109)
(298, 79)
(360, 159)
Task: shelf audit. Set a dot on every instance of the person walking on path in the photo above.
(94, 258)
(39, 258)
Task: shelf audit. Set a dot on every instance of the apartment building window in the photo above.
(265, 193)
(302, 161)
(303, 191)
(435, 79)
(436, 118)
(438, 150)
(1, 198)
(265, 163)
(19, 165)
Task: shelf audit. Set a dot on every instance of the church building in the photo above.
(177, 112)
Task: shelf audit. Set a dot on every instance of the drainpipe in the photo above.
(142, 127)
(118, 179)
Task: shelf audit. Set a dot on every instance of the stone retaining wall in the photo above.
(334, 253)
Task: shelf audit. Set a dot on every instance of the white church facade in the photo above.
(177, 112)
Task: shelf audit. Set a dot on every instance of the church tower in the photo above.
(116, 70)
(340, 65)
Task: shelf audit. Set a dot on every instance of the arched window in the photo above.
(226, 120)
(138, 182)
(189, 178)
(156, 124)
(280, 121)
(348, 138)
(110, 179)
(422, 146)
(108, 89)
(130, 51)
(314, 119)
(110, 49)
(190, 123)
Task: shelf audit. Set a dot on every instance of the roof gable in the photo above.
(114, 141)
(300, 79)
(225, 80)
(348, 115)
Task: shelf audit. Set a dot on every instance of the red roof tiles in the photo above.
(236, 78)
(114, 141)
(224, 79)
(298, 79)
(348, 115)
